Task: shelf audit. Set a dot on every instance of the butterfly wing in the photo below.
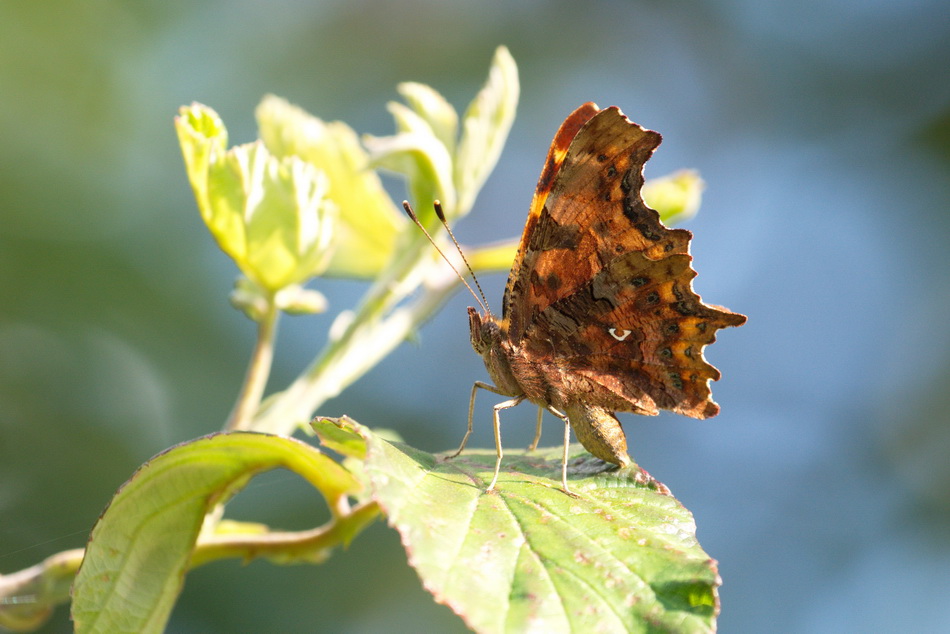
(635, 333)
(586, 209)
(520, 298)
(602, 288)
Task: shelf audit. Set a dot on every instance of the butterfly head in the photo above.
(484, 331)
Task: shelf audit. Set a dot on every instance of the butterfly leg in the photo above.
(497, 420)
(471, 409)
(537, 431)
(567, 444)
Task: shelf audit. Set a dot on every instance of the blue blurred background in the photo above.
(822, 130)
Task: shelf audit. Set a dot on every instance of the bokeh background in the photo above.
(822, 129)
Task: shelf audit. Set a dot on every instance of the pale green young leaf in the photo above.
(418, 152)
(425, 150)
(297, 300)
(270, 214)
(496, 257)
(288, 218)
(485, 128)
(676, 196)
(368, 222)
(223, 208)
(201, 134)
(423, 159)
(408, 121)
(431, 106)
(203, 139)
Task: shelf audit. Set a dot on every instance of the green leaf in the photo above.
(496, 257)
(338, 435)
(270, 214)
(288, 221)
(485, 128)
(419, 155)
(296, 300)
(141, 547)
(676, 196)
(432, 107)
(368, 222)
(203, 140)
(425, 150)
(620, 557)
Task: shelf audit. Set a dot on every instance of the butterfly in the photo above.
(599, 314)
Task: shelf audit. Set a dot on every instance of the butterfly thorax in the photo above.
(489, 342)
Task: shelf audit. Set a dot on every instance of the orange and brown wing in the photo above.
(519, 300)
(636, 334)
(601, 286)
(587, 210)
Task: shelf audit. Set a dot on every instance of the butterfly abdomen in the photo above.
(599, 432)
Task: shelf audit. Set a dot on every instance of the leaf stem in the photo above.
(258, 369)
(369, 336)
(287, 547)
(27, 597)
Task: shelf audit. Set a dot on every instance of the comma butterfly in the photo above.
(599, 314)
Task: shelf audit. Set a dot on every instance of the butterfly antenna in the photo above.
(458, 247)
(483, 302)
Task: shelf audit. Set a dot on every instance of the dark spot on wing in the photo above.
(676, 380)
(548, 234)
(684, 308)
